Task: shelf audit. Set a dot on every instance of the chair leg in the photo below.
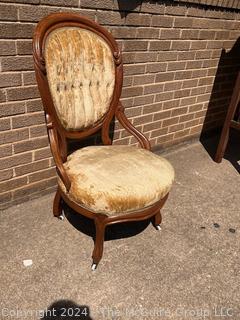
(157, 219)
(99, 240)
(57, 206)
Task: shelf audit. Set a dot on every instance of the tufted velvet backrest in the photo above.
(81, 76)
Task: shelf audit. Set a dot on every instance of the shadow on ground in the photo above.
(113, 232)
(225, 78)
(232, 153)
(66, 309)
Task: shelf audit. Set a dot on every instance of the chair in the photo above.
(79, 73)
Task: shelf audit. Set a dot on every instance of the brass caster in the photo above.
(158, 227)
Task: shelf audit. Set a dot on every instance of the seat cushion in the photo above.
(117, 179)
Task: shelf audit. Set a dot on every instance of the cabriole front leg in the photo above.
(57, 206)
(99, 240)
(157, 219)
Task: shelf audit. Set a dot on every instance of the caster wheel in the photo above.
(158, 227)
(94, 266)
(61, 217)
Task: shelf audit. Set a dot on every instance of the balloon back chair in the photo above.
(79, 73)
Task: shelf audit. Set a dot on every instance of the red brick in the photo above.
(176, 10)
(41, 175)
(153, 107)
(22, 93)
(5, 151)
(16, 31)
(167, 56)
(190, 83)
(176, 127)
(181, 22)
(181, 75)
(42, 154)
(138, 19)
(24, 47)
(134, 69)
(143, 100)
(7, 109)
(143, 79)
(5, 124)
(196, 107)
(171, 121)
(135, 45)
(153, 88)
(186, 55)
(179, 111)
(169, 34)
(181, 133)
(162, 77)
(187, 101)
(17, 63)
(190, 34)
(133, 112)
(35, 13)
(5, 175)
(180, 45)
(160, 45)
(152, 126)
(194, 64)
(29, 78)
(123, 33)
(156, 67)
(127, 81)
(30, 145)
(27, 120)
(34, 105)
(147, 33)
(164, 96)
(13, 161)
(31, 167)
(10, 79)
(207, 34)
(132, 91)
(158, 132)
(142, 119)
(162, 115)
(13, 184)
(8, 12)
(152, 7)
(172, 66)
(63, 3)
(162, 21)
(7, 48)
(13, 135)
(181, 93)
(109, 17)
(171, 104)
(171, 86)
(199, 73)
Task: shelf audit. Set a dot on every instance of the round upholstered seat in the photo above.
(117, 179)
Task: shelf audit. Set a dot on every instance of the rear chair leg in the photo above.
(57, 206)
(99, 240)
(157, 219)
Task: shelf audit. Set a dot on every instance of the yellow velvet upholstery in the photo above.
(117, 179)
(81, 76)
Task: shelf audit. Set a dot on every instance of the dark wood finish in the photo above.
(58, 135)
(229, 122)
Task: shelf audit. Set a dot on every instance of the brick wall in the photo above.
(171, 56)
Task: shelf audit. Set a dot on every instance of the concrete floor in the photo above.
(189, 270)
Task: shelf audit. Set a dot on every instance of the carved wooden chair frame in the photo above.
(58, 134)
